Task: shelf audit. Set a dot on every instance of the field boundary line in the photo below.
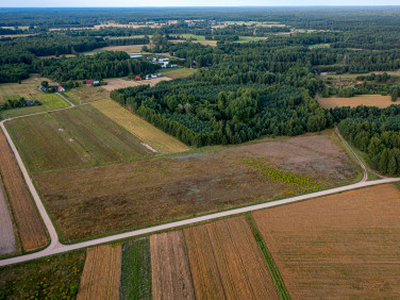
(358, 160)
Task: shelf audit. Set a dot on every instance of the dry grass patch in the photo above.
(113, 84)
(30, 228)
(346, 245)
(96, 201)
(170, 267)
(367, 100)
(126, 48)
(7, 237)
(146, 132)
(101, 274)
(226, 262)
(27, 86)
(86, 94)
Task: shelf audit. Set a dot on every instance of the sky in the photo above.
(147, 3)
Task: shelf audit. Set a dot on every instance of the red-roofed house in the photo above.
(138, 78)
(89, 82)
(61, 89)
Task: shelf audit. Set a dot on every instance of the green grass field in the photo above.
(87, 94)
(73, 138)
(49, 102)
(177, 72)
(195, 37)
(136, 270)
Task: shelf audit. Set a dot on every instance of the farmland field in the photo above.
(136, 270)
(54, 277)
(170, 267)
(114, 84)
(49, 102)
(87, 94)
(27, 86)
(367, 100)
(73, 138)
(174, 73)
(90, 202)
(226, 263)
(157, 139)
(30, 228)
(346, 245)
(101, 274)
(7, 237)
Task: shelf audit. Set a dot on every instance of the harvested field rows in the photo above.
(101, 274)
(346, 245)
(226, 263)
(366, 100)
(73, 138)
(146, 132)
(31, 231)
(113, 84)
(7, 238)
(170, 267)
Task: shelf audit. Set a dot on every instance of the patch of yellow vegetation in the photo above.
(152, 136)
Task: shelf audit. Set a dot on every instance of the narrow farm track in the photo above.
(65, 99)
(56, 247)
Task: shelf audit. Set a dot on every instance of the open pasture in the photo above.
(101, 274)
(366, 100)
(113, 84)
(226, 263)
(125, 48)
(150, 135)
(175, 73)
(30, 228)
(90, 202)
(86, 94)
(27, 86)
(73, 138)
(346, 245)
(170, 267)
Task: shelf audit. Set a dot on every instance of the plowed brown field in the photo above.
(170, 267)
(226, 262)
(343, 246)
(101, 274)
(31, 231)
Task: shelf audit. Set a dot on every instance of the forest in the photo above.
(244, 88)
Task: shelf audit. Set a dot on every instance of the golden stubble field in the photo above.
(345, 245)
(113, 84)
(226, 263)
(101, 274)
(366, 100)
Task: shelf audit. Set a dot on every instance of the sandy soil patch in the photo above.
(346, 245)
(7, 238)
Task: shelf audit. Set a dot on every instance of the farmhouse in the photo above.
(61, 89)
(89, 82)
(138, 77)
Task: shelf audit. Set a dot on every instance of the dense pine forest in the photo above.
(260, 77)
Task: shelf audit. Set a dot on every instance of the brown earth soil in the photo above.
(102, 200)
(171, 276)
(226, 263)
(101, 274)
(30, 228)
(344, 246)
